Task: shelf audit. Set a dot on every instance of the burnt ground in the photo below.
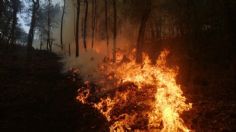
(36, 97)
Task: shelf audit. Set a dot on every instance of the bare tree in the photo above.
(141, 32)
(33, 24)
(1, 9)
(106, 25)
(49, 45)
(16, 7)
(69, 50)
(77, 30)
(85, 24)
(94, 12)
(62, 22)
(41, 40)
(114, 30)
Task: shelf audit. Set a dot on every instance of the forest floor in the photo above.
(36, 97)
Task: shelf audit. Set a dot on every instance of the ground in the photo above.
(36, 97)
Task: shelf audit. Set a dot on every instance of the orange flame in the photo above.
(147, 97)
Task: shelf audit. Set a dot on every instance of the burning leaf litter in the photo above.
(136, 97)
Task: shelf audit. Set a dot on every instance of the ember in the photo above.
(142, 98)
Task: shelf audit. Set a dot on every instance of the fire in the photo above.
(142, 98)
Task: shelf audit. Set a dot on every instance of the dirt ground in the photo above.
(36, 97)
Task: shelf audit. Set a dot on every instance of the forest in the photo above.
(117, 65)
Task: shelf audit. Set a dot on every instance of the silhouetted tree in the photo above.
(94, 15)
(106, 24)
(85, 24)
(16, 8)
(77, 29)
(141, 32)
(49, 40)
(62, 22)
(114, 29)
(33, 24)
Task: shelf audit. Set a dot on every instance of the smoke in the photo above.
(87, 64)
(89, 60)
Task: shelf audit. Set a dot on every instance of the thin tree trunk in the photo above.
(106, 25)
(1, 9)
(77, 30)
(69, 50)
(94, 11)
(14, 23)
(6, 31)
(62, 22)
(49, 27)
(114, 30)
(141, 33)
(85, 24)
(41, 40)
(33, 24)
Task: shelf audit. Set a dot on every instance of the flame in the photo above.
(144, 98)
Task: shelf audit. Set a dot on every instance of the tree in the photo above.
(33, 24)
(1, 8)
(141, 32)
(43, 26)
(62, 22)
(114, 29)
(5, 20)
(49, 41)
(106, 25)
(77, 29)
(94, 14)
(85, 24)
(16, 8)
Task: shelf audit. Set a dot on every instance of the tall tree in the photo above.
(94, 15)
(16, 7)
(5, 19)
(1, 8)
(62, 22)
(85, 24)
(106, 24)
(114, 29)
(141, 32)
(33, 24)
(77, 30)
(49, 41)
(42, 24)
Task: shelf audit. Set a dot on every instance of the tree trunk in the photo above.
(62, 22)
(114, 30)
(14, 23)
(49, 27)
(85, 24)
(94, 11)
(41, 40)
(106, 25)
(32, 25)
(5, 29)
(77, 30)
(69, 50)
(1, 8)
(141, 33)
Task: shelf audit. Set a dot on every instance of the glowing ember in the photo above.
(141, 97)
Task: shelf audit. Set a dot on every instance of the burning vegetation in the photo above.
(138, 97)
(115, 90)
